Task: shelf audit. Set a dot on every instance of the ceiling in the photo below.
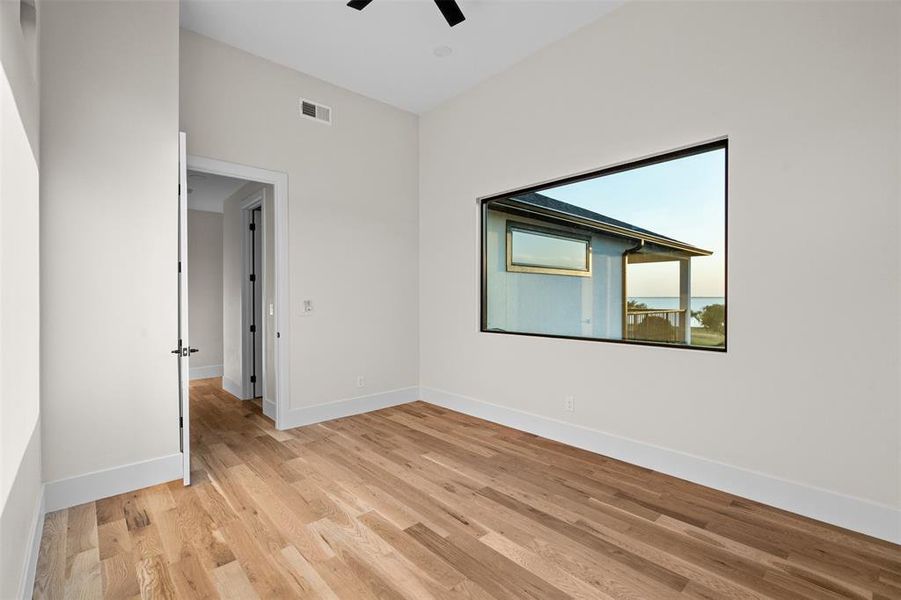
(209, 192)
(388, 51)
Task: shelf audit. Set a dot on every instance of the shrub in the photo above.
(712, 317)
(654, 328)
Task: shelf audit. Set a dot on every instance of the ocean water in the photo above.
(697, 303)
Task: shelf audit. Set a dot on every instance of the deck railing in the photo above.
(656, 325)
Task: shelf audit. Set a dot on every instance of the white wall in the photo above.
(352, 213)
(205, 291)
(109, 105)
(808, 94)
(20, 416)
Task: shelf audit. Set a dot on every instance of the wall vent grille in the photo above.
(315, 111)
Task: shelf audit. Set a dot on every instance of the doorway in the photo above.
(230, 255)
(254, 309)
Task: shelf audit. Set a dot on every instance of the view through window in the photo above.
(635, 253)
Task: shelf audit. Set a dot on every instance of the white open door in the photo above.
(184, 349)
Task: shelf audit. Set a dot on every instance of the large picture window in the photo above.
(634, 253)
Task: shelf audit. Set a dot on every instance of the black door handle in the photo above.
(193, 350)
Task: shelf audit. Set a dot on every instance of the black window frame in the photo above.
(666, 156)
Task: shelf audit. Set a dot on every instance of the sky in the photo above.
(683, 199)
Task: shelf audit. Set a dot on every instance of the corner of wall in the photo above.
(21, 523)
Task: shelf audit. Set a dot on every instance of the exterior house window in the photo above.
(533, 249)
(634, 253)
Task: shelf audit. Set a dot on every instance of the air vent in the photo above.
(317, 112)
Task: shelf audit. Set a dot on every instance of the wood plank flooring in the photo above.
(420, 502)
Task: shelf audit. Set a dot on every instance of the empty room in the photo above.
(453, 299)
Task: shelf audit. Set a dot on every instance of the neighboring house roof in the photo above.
(605, 223)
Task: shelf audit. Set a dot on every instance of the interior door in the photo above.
(256, 261)
(184, 349)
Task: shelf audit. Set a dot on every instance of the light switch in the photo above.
(307, 307)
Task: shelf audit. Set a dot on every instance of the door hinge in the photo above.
(253, 226)
(181, 422)
(253, 379)
(179, 266)
(253, 329)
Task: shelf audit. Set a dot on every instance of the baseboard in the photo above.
(205, 372)
(856, 514)
(269, 408)
(308, 415)
(73, 491)
(235, 389)
(34, 547)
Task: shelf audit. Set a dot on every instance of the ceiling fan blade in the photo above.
(358, 4)
(451, 11)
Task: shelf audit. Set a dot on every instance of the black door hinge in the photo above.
(253, 329)
(253, 379)
(253, 277)
(253, 226)
(181, 422)
(179, 266)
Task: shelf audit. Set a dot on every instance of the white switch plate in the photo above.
(569, 403)
(307, 308)
(361, 381)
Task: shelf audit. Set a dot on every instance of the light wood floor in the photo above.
(420, 502)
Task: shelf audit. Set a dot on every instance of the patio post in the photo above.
(685, 297)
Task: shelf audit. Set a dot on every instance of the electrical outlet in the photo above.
(307, 308)
(569, 403)
(361, 381)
